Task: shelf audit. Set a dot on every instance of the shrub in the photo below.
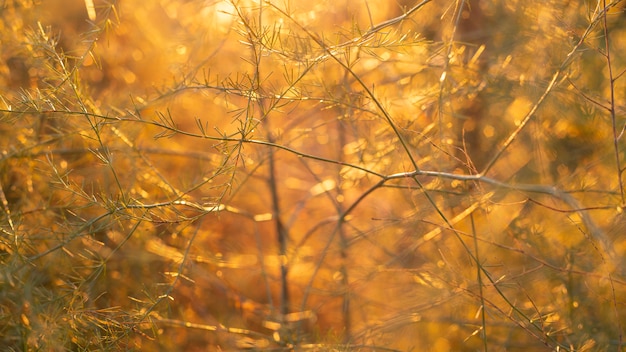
(430, 175)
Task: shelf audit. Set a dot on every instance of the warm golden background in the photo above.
(437, 175)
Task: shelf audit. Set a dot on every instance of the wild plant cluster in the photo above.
(314, 176)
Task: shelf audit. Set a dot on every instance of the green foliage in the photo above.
(315, 176)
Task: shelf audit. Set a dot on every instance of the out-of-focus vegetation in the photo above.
(313, 175)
